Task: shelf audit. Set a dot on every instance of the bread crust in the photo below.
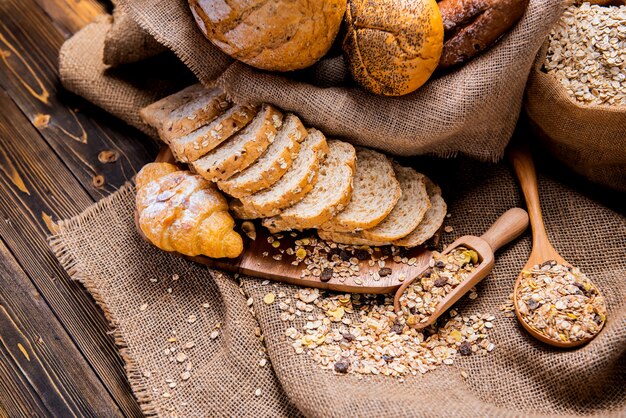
(472, 26)
(253, 147)
(292, 196)
(277, 35)
(271, 173)
(392, 46)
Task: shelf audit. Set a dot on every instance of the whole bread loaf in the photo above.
(280, 35)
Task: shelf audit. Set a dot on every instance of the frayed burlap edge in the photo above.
(76, 272)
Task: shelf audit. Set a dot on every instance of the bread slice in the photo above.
(376, 191)
(195, 113)
(349, 238)
(430, 224)
(292, 187)
(156, 113)
(433, 219)
(408, 212)
(272, 165)
(195, 145)
(241, 150)
(330, 195)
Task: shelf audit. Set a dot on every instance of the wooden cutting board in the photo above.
(258, 260)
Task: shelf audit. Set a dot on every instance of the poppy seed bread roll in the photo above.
(393, 46)
(280, 35)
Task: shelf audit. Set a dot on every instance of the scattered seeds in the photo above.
(181, 357)
(214, 334)
(185, 375)
(257, 392)
(143, 307)
(560, 302)
(269, 298)
(191, 318)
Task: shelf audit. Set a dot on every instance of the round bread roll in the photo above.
(393, 46)
(279, 35)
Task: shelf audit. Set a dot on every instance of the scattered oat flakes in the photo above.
(257, 392)
(206, 305)
(448, 229)
(262, 362)
(269, 298)
(214, 334)
(190, 344)
(143, 307)
(181, 357)
(560, 302)
(192, 318)
(185, 375)
(175, 277)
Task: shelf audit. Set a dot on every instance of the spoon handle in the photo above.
(508, 226)
(524, 168)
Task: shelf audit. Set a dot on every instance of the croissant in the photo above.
(180, 211)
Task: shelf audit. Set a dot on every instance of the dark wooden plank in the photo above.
(29, 44)
(72, 15)
(35, 188)
(17, 397)
(43, 351)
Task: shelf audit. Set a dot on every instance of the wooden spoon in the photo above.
(542, 250)
(507, 227)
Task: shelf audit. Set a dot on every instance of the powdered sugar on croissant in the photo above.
(180, 211)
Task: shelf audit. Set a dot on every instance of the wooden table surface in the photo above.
(57, 357)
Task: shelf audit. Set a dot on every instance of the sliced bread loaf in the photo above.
(408, 212)
(292, 187)
(156, 113)
(349, 238)
(376, 191)
(195, 145)
(241, 150)
(330, 195)
(433, 219)
(195, 113)
(272, 165)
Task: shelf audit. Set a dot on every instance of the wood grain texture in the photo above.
(28, 73)
(71, 15)
(35, 188)
(42, 351)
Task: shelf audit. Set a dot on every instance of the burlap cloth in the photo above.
(589, 139)
(150, 311)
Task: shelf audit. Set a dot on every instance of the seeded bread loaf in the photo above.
(375, 193)
(292, 186)
(195, 145)
(241, 150)
(158, 112)
(433, 219)
(272, 165)
(194, 114)
(408, 212)
(330, 195)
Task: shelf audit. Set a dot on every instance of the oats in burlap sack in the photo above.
(590, 139)
(130, 280)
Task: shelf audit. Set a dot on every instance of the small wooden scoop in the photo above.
(542, 250)
(507, 227)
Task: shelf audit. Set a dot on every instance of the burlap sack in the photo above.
(126, 42)
(521, 377)
(472, 110)
(120, 91)
(589, 139)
